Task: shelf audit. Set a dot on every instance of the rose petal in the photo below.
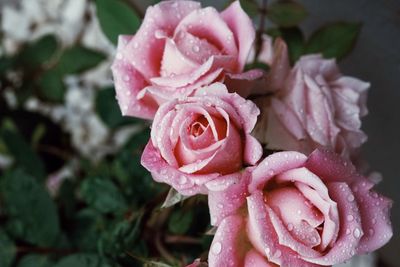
(375, 217)
(350, 227)
(128, 82)
(275, 164)
(331, 167)
(253, 150)
(242, 28)
(255, 259)
(185, 184)
(145, 50)
(246, 83)
(263, 236)
(226, 194)
(229, 245)
(207, 24)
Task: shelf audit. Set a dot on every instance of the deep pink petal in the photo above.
(207, 24)
(255, 259)
(375, 217)
(263, 237)
(275, 164)
(253, 150)
(243, 30)
(350, 228)
(145, 50)
(226, 195)
(185, 184)
(331, 167)
(229, 245)
(128, 82)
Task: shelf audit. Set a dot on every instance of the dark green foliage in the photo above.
(31, 211)
(116, 18)
(335, 40)
(286, 13)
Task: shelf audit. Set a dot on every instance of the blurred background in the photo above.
(62, 127)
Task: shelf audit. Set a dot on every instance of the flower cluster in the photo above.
(303, 204)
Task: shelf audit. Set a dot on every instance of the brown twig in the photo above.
(181, 239)
(39, 250)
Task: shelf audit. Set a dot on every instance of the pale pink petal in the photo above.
(229, 245)
(185, 184)
(163, 143)
(255, 259)
(128, 82)
(263, 237)
(375, 217)
(243, 31)
(207, 24)
(174, 61)
(275, 164)
(226, 195)
(333, 168)
(145, 50)
(195, 48)
(350, 228)
(253, 150)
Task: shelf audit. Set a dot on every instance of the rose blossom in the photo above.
(178, 48)
(317, 106)
(202, 138)
(301, 212)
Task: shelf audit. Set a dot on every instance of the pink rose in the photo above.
(179, 48)
(202, 138)
(300, 211)
(316, 107)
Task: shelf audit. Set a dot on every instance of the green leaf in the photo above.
(256, 65)
(77, 59)
(7, 250)
(295, 41)
(23, 154)
(87, 227)
(29, 205)
(103, 195)
(38, 53)
(334, 40)
(286, 14)
(83, 260)
(116, 18)
(172, 198)
(250, 7)
(108, 110)
(179, 221)
(35, 261)
(51, 86)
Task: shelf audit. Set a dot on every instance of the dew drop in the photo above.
(348, 231)
(119, 56)
(373, 221)
(357, 233)
(196, 48)
(371, 232)
(135, 45)
(277, 254)
(290, 227)
(350, 218)
(216, 248)
(182, 179)
(126, 78)
(267, 251)
(220, 205)
(350, 198)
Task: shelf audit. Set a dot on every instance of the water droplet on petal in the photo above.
(220, 205)
(278, 253)
(350, 198)
(126, 78)
(357, 233)
(290, 227)
(196, 48)
(182, 180)
(216, 248)
(350, 218)
(119, 56)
